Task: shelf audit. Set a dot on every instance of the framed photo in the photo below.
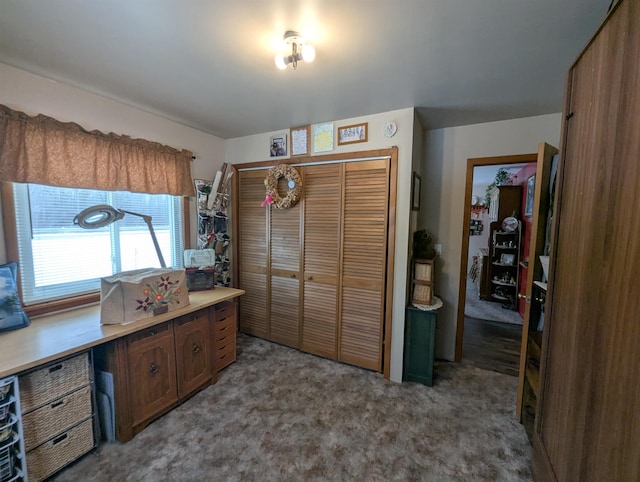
(415, 191)
(299, 141)
(507, 258)
(278, 145)
(353, 134)
(323, 137)
(531, 188)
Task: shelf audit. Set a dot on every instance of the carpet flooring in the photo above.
(281, 415)
(474, 307)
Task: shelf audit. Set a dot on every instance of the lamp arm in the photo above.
(147, 219)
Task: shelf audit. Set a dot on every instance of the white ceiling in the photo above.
(209, 64)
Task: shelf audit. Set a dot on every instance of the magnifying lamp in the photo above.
(102, 215)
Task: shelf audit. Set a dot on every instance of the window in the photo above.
(59, 259)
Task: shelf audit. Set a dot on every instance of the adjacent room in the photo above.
(301, 240)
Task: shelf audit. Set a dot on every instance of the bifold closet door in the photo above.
(252, 254)
(322, 240)
(364, 262)
(284, 257)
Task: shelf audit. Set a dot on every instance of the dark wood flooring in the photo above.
(492, 345)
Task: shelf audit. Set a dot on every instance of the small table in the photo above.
(419, 343)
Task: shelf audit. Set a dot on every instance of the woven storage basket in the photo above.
(422, 294)
(45, 385)
(52, 419)
(51, 456)
(423, 271)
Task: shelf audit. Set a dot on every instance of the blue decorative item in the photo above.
(12, 316)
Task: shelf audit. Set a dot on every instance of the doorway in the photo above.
(489, 327)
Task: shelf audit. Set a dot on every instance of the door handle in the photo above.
(526, 298)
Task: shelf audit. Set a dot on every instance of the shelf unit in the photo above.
(12, 454)
(531, 387)
(504, 266)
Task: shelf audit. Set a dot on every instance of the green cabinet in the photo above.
(419, 341)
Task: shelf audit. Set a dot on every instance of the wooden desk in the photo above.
(55, 336)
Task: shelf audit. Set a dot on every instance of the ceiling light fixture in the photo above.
(299, 51)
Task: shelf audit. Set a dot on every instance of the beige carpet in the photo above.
(281, 415)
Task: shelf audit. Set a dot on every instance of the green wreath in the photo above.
(294, 182)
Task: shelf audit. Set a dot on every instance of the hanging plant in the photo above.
(503, 178)
(294, 185)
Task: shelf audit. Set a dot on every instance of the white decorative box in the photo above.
(142, 293)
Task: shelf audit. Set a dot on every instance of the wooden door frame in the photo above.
(462, 284)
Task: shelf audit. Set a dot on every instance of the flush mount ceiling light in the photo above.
(299, 51)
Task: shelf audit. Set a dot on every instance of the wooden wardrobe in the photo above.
(318, 276)
(587, 424)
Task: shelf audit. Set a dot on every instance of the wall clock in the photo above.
(390, 129)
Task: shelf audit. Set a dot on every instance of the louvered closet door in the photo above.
(366, 199)
(322, 219)
(253, 253)
(285, 272)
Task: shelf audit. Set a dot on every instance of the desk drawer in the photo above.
(58, 452)
(224, 328)
(224, 310)
(42, 386)
(54, 418)
(225, 355)
(156, 332)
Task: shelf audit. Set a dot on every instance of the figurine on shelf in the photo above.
(422, 248)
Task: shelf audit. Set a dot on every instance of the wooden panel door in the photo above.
(529, 361)
(252, 253)
(364, 261)
(587, 423)
(152, 375)
(322, 236)
(193, 351)
(285, 225)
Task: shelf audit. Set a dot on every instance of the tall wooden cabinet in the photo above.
(587, 423)
(505, 201)
(315, 275)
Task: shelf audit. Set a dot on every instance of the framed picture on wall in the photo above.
(323, 137)
(300, 141)
(278, 145)
(353, 134)
(531, 188)
(415, 191)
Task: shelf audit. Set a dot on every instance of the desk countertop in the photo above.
(54, 336)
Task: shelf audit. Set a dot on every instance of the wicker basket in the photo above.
(423, 270)
(52, 419)
(58, 452)
(53, 381)
(422, 294)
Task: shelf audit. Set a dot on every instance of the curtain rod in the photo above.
(319, 163)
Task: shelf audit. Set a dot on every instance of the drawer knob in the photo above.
(195, 348)
(152, 332)
(153, 369)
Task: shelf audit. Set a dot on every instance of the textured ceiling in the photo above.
(209, 64)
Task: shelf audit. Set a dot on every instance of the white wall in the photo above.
(32, 94)
(443, 184)
(255, 148)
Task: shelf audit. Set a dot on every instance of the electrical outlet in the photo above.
(438, 248)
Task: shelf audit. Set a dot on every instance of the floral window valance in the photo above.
(42, 150)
